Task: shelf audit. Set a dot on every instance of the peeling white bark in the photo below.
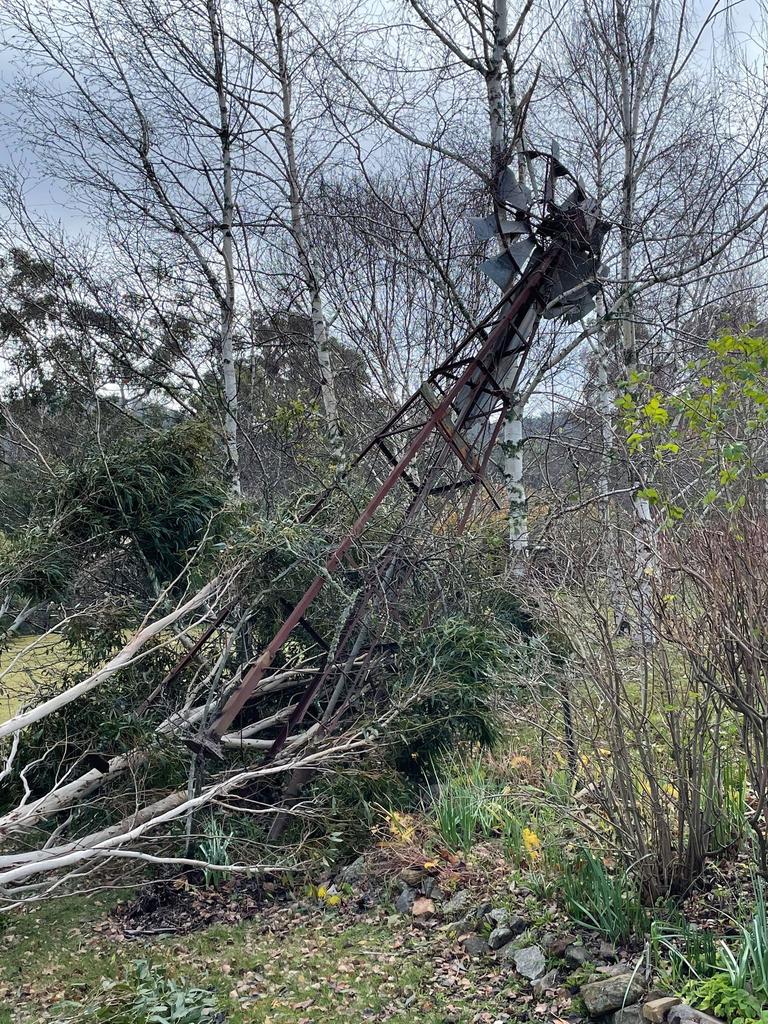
(606, 409)
(643, 632)
(512, 446)
(512, 437)
(26, 718)
(642, 527)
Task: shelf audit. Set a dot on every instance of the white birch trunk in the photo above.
(512, 438)
(642, 522)
(512, 445)
(24, 719)
(643, 633)
(606, 405)
(327, 379)
(494, 87)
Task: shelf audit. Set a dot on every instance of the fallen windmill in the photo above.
(437, 447)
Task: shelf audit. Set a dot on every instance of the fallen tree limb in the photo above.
(63, 798)
(120, 660)
(170, 809)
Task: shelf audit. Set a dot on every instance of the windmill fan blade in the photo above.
(575, 271)
(491, 227)
(586, 306)
(501, 269)
(572, 309)
(511, 193)
(572, 200)
(600, 230)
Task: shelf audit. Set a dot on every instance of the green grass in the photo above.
(317, 966)
(23, 665)
(48, 941)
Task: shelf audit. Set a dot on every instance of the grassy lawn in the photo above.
(295, 965)
(23, 664)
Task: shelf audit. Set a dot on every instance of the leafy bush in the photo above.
(155, 492)
(146, 996)
(456, 664)
(602, 902)
(718, 995)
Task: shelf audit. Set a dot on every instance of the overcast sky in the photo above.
(47, 198)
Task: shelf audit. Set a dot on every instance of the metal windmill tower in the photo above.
(435, 451)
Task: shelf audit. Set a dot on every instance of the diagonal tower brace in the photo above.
(437, 446)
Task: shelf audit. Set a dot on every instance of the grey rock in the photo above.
(353, 872)
(629, 1015)
(612, 993)
(577, 954)
(547, 940)
(544, 983)
(412, 877)
(405, 900)
(499, 916)
(473, 921)
(656, 993)
(611, 971)
(530, 962)
(500, 937)
(507, 954)
(688, 1015)
(474, 944)
(429, 886)
(517, 925)
(458, 904)
(466, 924)
(559, 945)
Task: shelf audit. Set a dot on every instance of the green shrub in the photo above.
(145, 996)
(457, 664)
(718, 995)
(602, 902)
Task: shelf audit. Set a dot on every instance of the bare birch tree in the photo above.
(653, 125)
(144, 138)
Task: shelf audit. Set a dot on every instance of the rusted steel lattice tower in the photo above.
(435, 451)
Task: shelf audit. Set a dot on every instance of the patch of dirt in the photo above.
(181, 905)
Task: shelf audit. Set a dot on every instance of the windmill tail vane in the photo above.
(431, 460)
